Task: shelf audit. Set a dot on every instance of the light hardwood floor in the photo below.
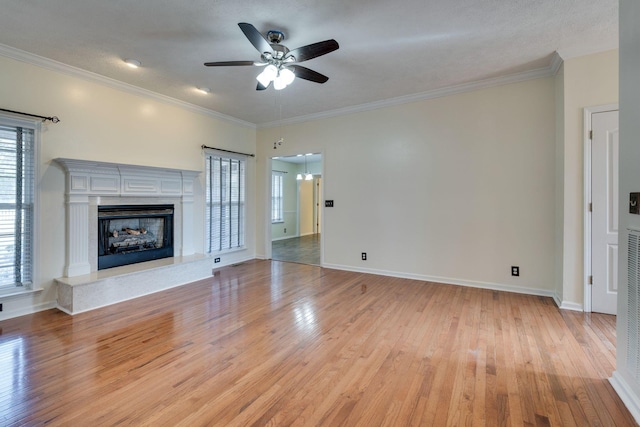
(277, 344)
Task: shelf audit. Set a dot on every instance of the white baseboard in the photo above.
(30, 309)
(573, 306)
(447, 280)
(628, 397)
(283, 238)
(567, 305)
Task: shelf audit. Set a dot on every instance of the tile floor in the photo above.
(303, 250)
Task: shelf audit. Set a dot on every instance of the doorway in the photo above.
(295, 235)
(601, 222)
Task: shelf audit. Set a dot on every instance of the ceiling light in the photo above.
(204, 90)
(307, 176)
(133, 63)
(276, 73)
(269, 73)
(279, 83)
(287, 75)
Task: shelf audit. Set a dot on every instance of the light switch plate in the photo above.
(634, 198)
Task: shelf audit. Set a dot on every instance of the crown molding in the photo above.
(557, 60)
(556, 63)
(50, 64)
(584, 51)
(422, 96)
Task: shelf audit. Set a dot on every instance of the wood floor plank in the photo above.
(267, 343)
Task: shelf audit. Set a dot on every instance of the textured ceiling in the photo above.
(387, 49)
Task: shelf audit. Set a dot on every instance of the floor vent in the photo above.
(633, 309)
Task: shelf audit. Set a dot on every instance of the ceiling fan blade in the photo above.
(228, 63)
(307, 74)
(256, 38)
(260, 87)
(314, 50)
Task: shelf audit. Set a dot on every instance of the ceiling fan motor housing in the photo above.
(275, 36)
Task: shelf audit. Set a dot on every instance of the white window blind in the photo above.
(17, 146)
(225, 199)
(277, 183)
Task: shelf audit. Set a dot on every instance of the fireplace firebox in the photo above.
(130, 234)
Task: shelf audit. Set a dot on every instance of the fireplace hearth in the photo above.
(131, 234)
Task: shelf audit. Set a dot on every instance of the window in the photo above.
(277, 183)
(225, 202)
(17, 164)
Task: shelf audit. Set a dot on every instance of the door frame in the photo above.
(267, 203)
(587, 144)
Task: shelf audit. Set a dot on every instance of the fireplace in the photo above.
(128, 234)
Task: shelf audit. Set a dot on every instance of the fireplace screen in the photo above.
(132, 234)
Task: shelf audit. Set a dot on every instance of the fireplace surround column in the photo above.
(77, 236)
(188, 247)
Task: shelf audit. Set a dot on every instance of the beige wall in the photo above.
(456, 189)
(101, 123)
(588, 81)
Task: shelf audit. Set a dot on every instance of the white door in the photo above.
(604, 217)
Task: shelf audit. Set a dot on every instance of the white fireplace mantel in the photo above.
(88, 182)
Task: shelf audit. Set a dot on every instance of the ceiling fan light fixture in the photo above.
(279, 83)
(267, 75)
(287, 75)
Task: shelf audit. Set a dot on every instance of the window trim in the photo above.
(36, 125)
(280, 174)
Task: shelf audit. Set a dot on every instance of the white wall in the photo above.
(626, 384)
(589, 80)
(102, 123)
(456, 189)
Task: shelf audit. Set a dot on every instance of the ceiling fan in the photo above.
(281, 64)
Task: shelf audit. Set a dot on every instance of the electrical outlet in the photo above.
(515, 270)
(364, 256)
(0, 306)
(216, 260)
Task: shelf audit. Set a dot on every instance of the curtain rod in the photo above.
(275, 170)
(53, 119)
(227, 151)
